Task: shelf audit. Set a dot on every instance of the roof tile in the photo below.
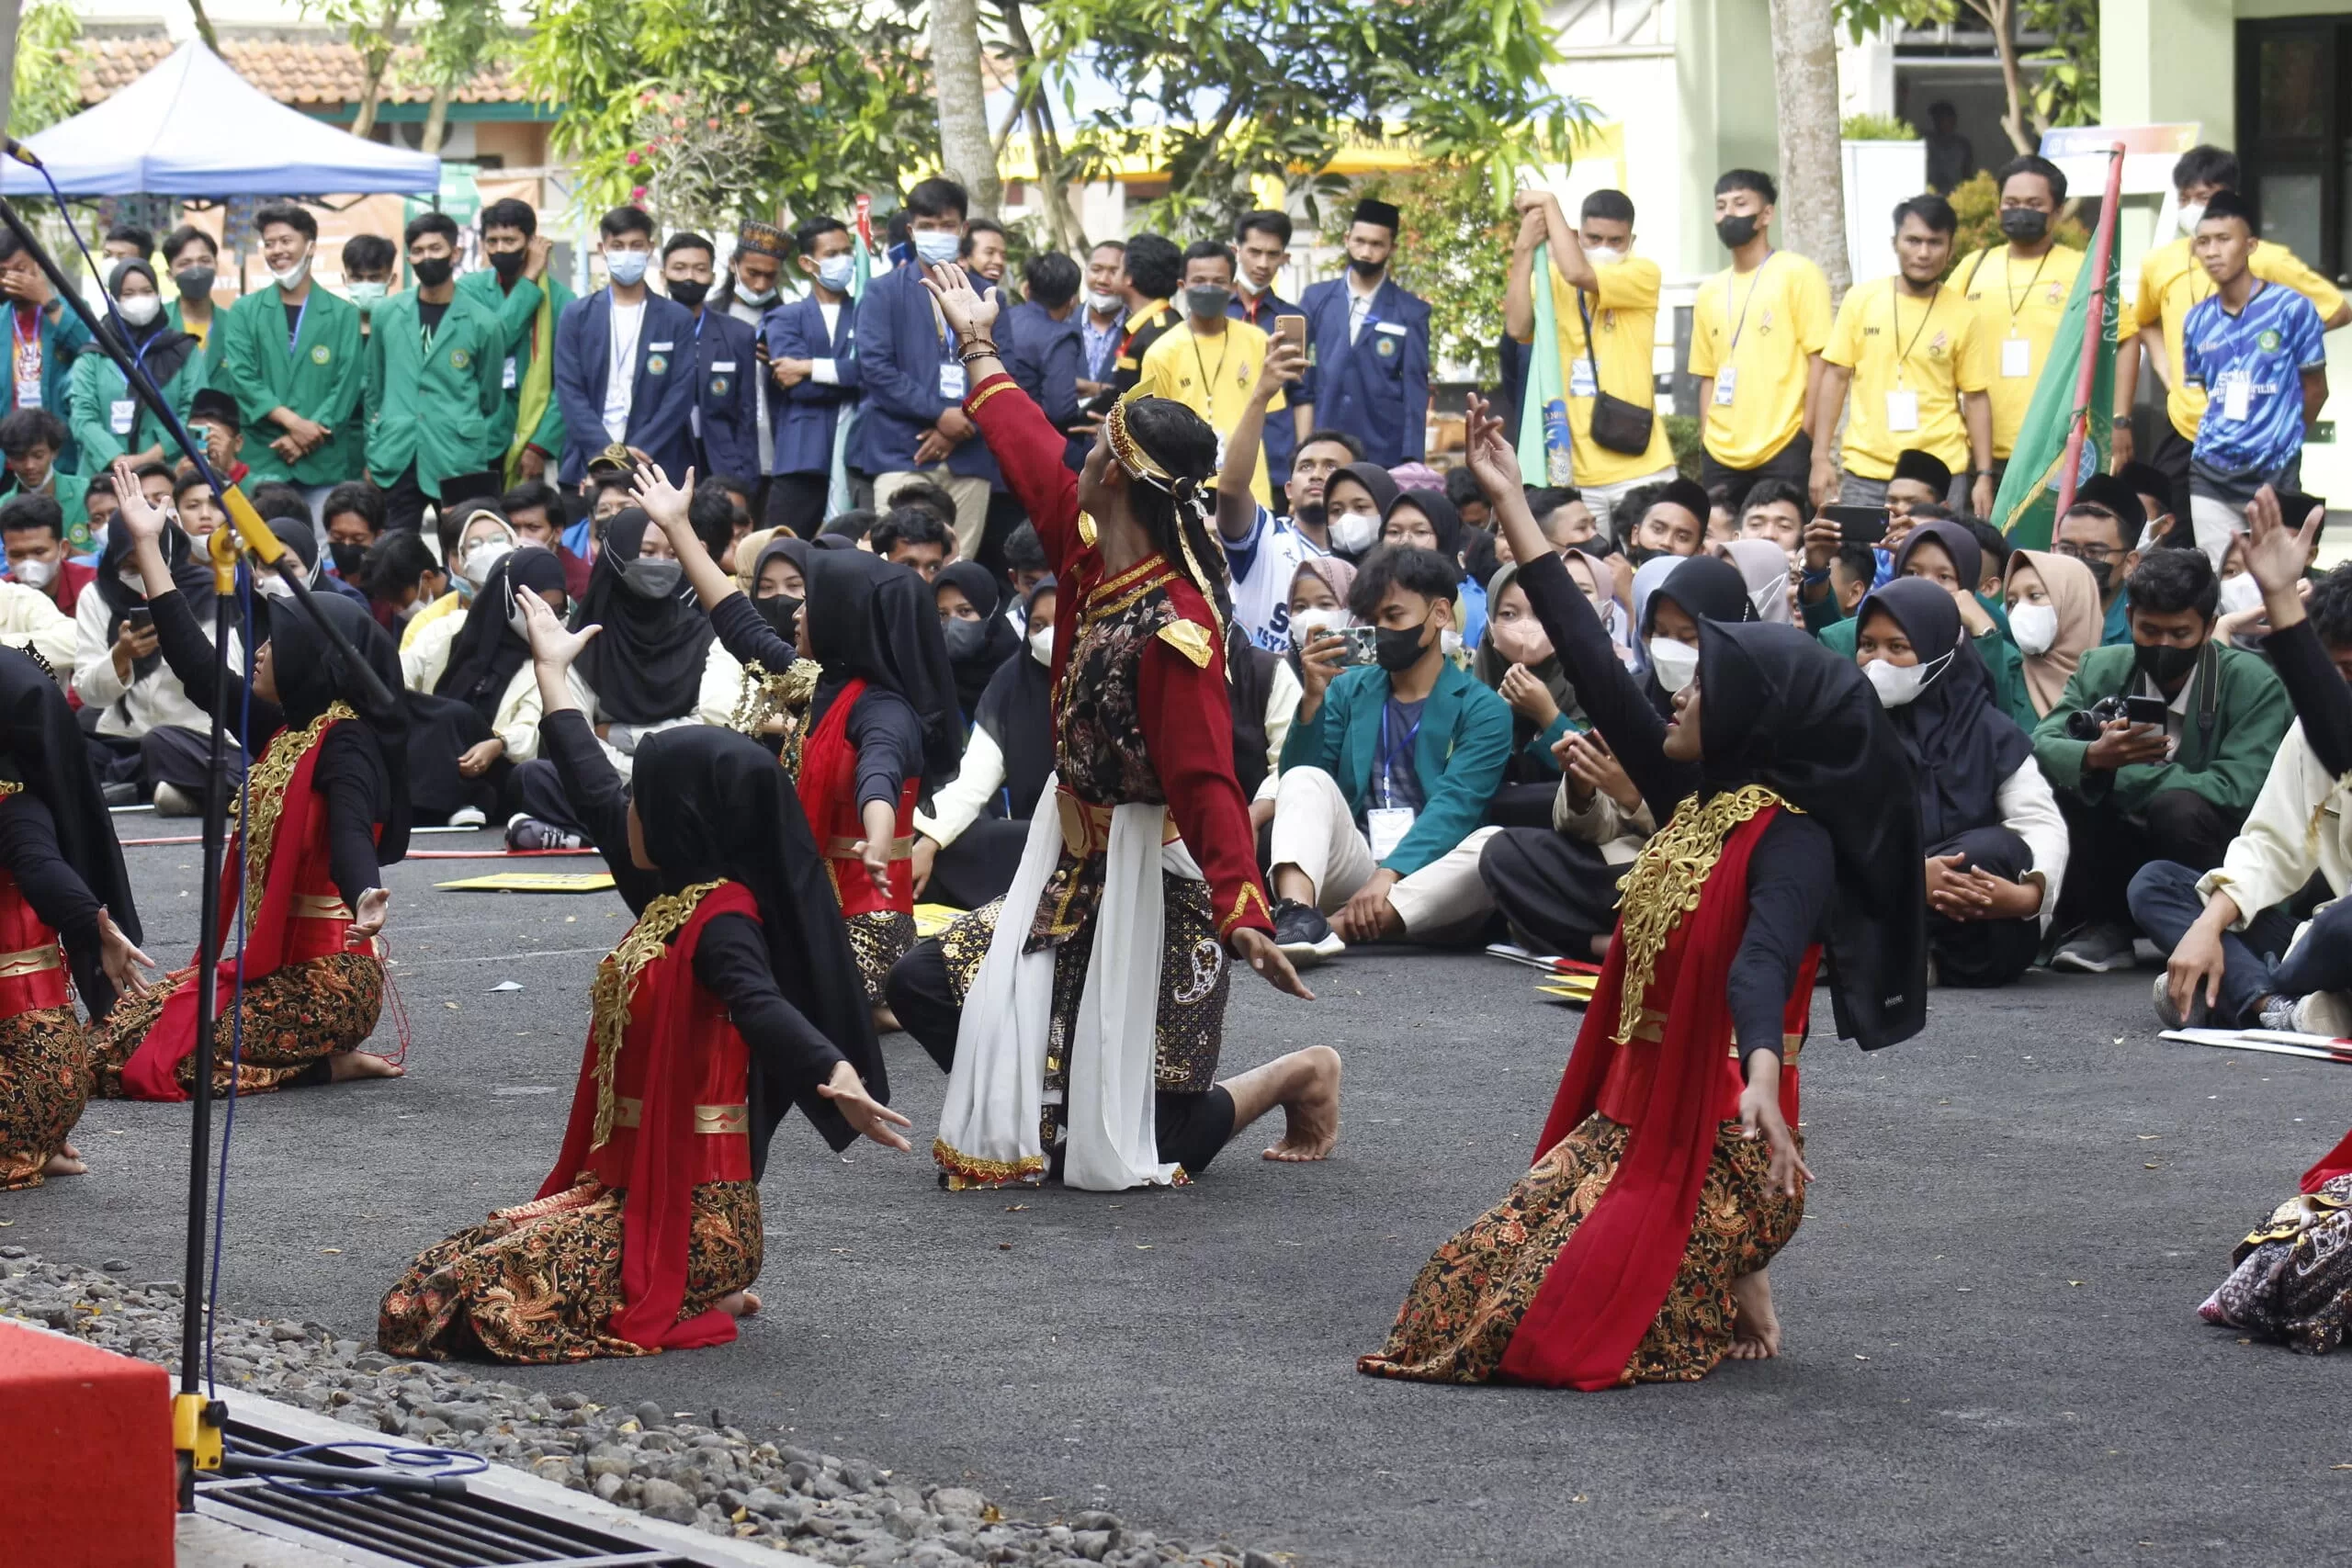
(308, 73)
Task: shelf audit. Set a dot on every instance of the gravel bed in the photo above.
(712, 1476)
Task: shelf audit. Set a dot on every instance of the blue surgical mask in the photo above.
(837, 273)
(627, 267)
(936, 248)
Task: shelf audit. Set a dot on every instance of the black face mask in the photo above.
(347, 557)
(1642, 555)
(1398, 649)
(2167, 667)
(433, 272)
(688, 292)
(2102, 573)
(965, 639)
(2024, 224)
(1737, 230)
(782, 612)
(508, 264)
(1367, 269)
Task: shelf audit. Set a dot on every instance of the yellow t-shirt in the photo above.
(2017, 303)
(1624, 321)
(1211, 376)
(1764, 326)
(1918, 353)
(2171, 282)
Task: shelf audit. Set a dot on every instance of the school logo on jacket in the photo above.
(2268, 341)
(1937, 345)
(321, 355)
(719, 386)
(656, 365)
(459, 359)
(1384, 346)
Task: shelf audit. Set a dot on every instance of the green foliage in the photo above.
(1876, 127)
(1684, 433)
(1249, 88)
(462, 39)
(1977, 202)
(838, 99)
(47, 84)
(2065, 83)
(1456, 237)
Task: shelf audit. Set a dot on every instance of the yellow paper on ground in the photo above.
(534, 882)
(933, 919)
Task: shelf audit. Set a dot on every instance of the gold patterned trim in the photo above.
(1653, 1028)
(713, 1120)
(1104, 610)
(9, 787)
(1110, 585)
(320, 907)
(981, 397)
(1666, 881)
(1249, 893)
(1086, 824)
(1189, 638)
(30, 961)
(901, 848)
(615, 983)
(2296, 1215)
(1086, 530)
(265, 784)
(967, 1171)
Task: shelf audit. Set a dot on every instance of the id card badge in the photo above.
(2016, 358)
(2237, 396)
(1901, 408)
(1726, 382)
(120, 412)
(1580, 381)
(29, 391)
(1387, 826)
(507, 379)
(951, 383)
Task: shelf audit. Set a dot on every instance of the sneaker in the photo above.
(119, 794)
(2278, 1014)
(468, 817)
(2096, 950)
(2324, 1013)
(1303, 935)
(525, 832)
(172, 801)
(2169, 1015)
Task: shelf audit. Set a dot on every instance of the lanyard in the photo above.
(1894, 305)
(1209, 382)
(1388, 754)
(1744, 304)
(2017, 302)
(17, 339)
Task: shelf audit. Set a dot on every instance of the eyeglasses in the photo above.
(2100, 553)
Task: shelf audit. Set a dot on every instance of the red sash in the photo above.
(1603, 1291)
(679, 1047)
(2337, 1162)
(829, 799)
(32, 966)
(298, 914)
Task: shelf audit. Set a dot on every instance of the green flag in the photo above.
(1543, 441)
(2027, 508)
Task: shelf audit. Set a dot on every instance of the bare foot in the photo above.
(1755, 1327)
(66, 1162)
(1312, 1108)
(69, 1151)
(738, 1303)
(345, 1066)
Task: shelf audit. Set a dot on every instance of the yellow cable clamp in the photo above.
(195, 1428)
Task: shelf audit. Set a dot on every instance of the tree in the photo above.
(460, 39)
(2066, 92)
(46, 80)
(1812, 175)
(369, 24)
(1456, 227)
(967, 154)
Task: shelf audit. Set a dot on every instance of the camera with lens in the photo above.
(2085, 723)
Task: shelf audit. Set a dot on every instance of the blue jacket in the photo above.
(1377, 388)
(661, 400)
(1464, 742)
(1281, 440)
(902, 350)
(727, 395)
(805, 415)
(1046, 358)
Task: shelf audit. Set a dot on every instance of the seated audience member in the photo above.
(1673, 522)
(933, 497)
(302, 539)
(32, 440)
(1025, 563)
(1671, 596)
(533, 510)
(1996, 847)
(1853, 572)
(2099, 531)
(2134, 792)
(98, 504)
(1596, 577)
(968, 843)
(1763, 569)
(1995, 547)
(853, 529)
(153, 742)
(1722, 518)
(401, 575)
(2263, 941)
(1462, 489)
(1385, 772)
(1318, 601)
(2155, 490)
(913, 535)
(1920, 479)
(479, 716)
(739, 495)
(2053, 620)
(1516, 663)
(1425, 520)
(479, 541)
(608, 497)
(1946, 554)
(32, 527)
(216, 422)
(978, 639)
(1565, 518)
(354, 519)
(32, 623)
(1775, 509)
(1355, 498)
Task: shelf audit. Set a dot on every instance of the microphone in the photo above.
(19, 152)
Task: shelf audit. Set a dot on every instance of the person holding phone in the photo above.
(1262, 244)
(1212, 363)
(2133, 790)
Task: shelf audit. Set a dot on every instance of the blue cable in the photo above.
(237, 993)
(433, 1463)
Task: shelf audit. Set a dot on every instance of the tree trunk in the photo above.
(375, 59)
(436, 118)
(1062, 226)
(8, 17)
(1812, 176)
(204, 26)
(2001, 17)
(967, 151)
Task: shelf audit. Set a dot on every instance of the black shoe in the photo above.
(1303, 935)
(527, 833)
(119, 794)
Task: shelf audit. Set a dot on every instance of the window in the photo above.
(2295, 137)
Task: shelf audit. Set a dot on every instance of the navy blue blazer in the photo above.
(804, 416)
(902, 347)
(661, 400)
(1045, 358)
(727, 395)
(1281, 439)
(1377, 388)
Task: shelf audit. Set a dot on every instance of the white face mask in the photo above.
(141, 309)
(2240, 592)
(516, 618)
(1103, 304)
(2191, 214)
(1040, 645)
(1308, 625)
(1450, 641)
(293, 276)
(1603, 255)
(1897, 684)
(272, 587)
(34, 572)
(1250, 290)
(1676, 664)
(1354, 533)
(2033, 628)
(482, 558)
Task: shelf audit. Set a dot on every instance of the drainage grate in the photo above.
(412, 1529)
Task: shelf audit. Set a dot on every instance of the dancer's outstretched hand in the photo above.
(868, 1114)
(1256, 949)
(1760, 1115)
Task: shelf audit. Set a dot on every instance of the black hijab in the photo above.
(44, 749)
(1445, 519)
(311, 673)
(189, 575)
(998, 640)
(874, 620)
(1706, 587)
(1017, 712)
(1961, 743)
(1955, 540)
(160, 348)
(487, 650)
(645, 665)
(714, 805)
(1781, 710)
(781, 611)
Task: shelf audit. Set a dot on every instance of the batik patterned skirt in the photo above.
(1459, 1317)
(294, 1018)
(2292, 1281)
(877, 941)
(44, 1083)
(538, 1283)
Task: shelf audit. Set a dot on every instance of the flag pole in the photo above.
(2102, 264)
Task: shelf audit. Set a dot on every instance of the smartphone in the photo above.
(139, 617)
(2146, 710)
(1858, 525)
(1356, 643)
(1293, 330)
(2294, 507)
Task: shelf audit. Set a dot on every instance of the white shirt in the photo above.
(1265, 563)
(620, 374)
(824, 371)
(1359, 305)
(2029, 810)
(149, 702)
(31, 620)
(755, 314)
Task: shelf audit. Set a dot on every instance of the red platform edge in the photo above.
(90, 1473)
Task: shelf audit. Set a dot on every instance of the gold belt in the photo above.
(30, 961)
(1086, 827)
(854, 849)
(627, 1113)
(320, 907)
(1651, 1028)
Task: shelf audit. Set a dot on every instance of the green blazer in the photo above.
(98, 384)
(1464, 742)
(435, 405)
(319, 377)
(517, 310)
(2250, 719)
(198, 369)
(2002, 661)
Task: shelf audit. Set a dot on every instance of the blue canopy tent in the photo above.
(194, 128)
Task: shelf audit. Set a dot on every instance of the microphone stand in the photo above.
(197, 1421)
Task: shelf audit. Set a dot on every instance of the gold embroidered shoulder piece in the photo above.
(8, 788)
(266, 790)
(615, 983)
(1189, 638)
(764, 698)
(1666, 883)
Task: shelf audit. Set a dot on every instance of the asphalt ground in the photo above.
(1992, 1347)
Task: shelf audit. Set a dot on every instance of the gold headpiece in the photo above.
(1138, 463)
